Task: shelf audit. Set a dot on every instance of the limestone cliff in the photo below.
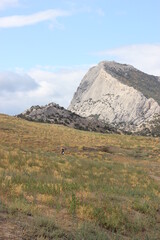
(118, 94)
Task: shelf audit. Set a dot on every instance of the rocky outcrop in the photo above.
(53, 113)
(151, 128)
(118, 94)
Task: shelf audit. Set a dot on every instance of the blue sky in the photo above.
(46, 47)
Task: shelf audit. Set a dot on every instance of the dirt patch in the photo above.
(107, 149)
(10, 228)
(155, 178)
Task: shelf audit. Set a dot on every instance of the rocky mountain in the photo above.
(53, 113)
(119, 94)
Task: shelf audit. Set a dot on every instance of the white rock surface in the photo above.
(102, 95)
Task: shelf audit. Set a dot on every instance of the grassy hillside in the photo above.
(104, 187)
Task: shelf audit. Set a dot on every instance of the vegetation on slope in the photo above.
(103, 187)
(148, 85)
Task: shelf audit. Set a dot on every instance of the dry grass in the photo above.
(111, 182)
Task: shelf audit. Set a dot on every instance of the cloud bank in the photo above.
(38, 87)
(12, 82)
(145, 57)
(57, 85)
(25, 20)
(14, 91)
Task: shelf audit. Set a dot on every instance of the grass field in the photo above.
(104, 187)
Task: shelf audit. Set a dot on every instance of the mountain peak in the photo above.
(117, 93)
(112, 65)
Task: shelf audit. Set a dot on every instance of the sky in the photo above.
(46, 47)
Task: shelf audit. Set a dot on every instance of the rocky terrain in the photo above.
(121, 95)
(152, 128)
(53, 113)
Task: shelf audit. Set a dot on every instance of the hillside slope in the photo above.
(104, 187)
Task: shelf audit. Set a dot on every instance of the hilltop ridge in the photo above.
(53, 113)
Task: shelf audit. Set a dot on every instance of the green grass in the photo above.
(104, 187)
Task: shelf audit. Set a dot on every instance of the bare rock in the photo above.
(118, 94)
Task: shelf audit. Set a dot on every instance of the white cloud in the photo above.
(48, 84)
(14, 91)
(57, 85)
(145, 57)
(24, 20)
(8, 3)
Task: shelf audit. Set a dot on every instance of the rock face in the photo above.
(53, 113)
(118, 94)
